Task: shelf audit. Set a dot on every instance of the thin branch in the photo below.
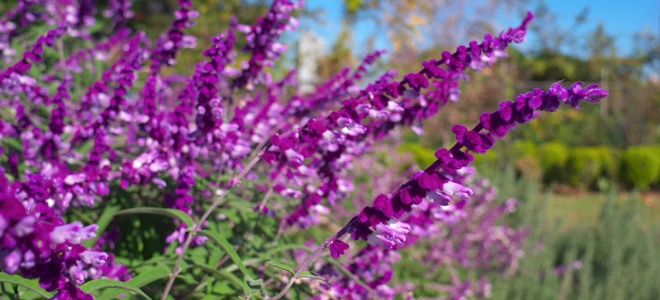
(60, 51)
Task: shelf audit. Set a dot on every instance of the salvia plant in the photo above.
(122, 179)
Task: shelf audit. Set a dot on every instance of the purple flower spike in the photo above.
(372, 216)
(438, 187)
(38, 244)
(593, 94)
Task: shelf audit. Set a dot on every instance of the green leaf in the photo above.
(97, 284)
(169, 212)
(229, 248)
(308, 274)
(240, 204)
(252, 286)
(281, 266)
(103, 221)
(149, 276)
(222, 288)
(285, 267)
(137, 265)
(187, 279)
(221, 273)
(144, 278)
(215, 257)
(30, 284)
(198, 255)
(13, 143)
(86, 219)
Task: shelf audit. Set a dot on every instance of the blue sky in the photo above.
(622, 19)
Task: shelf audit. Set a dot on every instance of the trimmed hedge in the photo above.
(583, 166)
(555, 162)
(526, 155)
(640, 166)
(552, 158)
(609, 159)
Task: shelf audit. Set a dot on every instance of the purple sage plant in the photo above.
(234, 164)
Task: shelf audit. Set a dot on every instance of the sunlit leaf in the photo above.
(30, 284)
(97, 284)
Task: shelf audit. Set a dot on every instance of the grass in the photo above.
(615, 235)
(571, 210)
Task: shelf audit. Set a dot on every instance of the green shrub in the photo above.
(553, 157)
(423, 156)
(521, 148)
(609, 159)
(525, 155)
(640, 166)
(656, 150)
(609, 162)
(584, 166)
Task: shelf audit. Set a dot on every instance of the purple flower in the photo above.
(73, 233)
(440, 198)
(119, 11)
(391, 235)
(94, 258)
(39, 245)
(337, 248)
(456, 189)
(71, 292)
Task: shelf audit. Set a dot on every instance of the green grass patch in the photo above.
(573, 210)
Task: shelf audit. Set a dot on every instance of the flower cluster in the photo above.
(78, 16)
(20, 15)
(263, 42)
(38, 245)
